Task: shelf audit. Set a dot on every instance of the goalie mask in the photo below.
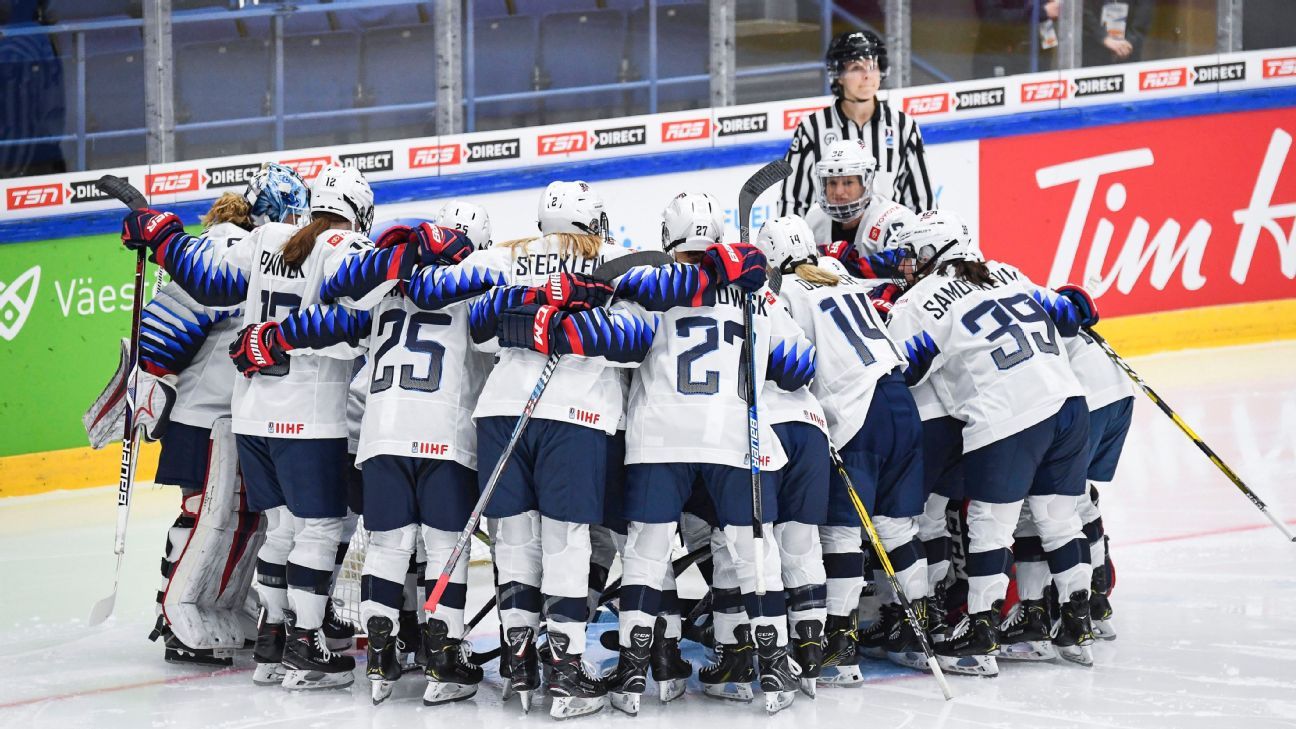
(787, 242)
(572, 207)
(941, 235)
(274, 193)
(693, 221)
(846, 158)
(469, 218)
(343, 191)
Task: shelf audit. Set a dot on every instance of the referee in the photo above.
(857, 63)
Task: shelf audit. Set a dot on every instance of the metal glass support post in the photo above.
(825, 37)
(449, 63)
(276, 27)
(159, 91)
(81, 100)
(652, 56)
(1070, 32)
(724, 53)
(470, 68)
(899, 39)
(1228, 36)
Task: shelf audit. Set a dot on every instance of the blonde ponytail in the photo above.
(230, 207)
(810, 273)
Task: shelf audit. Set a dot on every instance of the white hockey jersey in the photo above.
(882, 219)
(852, 347)
(309, 400)
(205, 386)
(583, 390)
(688, 400)
(1103, 381)
(995, 353)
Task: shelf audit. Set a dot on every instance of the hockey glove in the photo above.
(735, 264)
(533, 327)
(394, 235)
(149, 228)
(440, 245)
(844, 251)
(889, 263)
(259, 347)
(1086, 309)
(883, 299)
(574, 292)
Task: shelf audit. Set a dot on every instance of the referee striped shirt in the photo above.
(890, 133)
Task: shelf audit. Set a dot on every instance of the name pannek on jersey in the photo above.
(309, 399)
(995, 355)
(852, 348)
(583, 391)
(688, 400)
(193, 340)
(882, 218)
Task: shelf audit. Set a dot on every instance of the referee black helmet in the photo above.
(855, 45)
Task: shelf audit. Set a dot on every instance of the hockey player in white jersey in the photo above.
(871, 414)
(417, 449)
(849, 219)
(988, 339)
(290, 423)
(687, 413)
(183, 356)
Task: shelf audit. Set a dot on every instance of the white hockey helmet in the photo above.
(571, 207)
(469, 218)
(939, 234)
(344, 191)
(786, 242)
(846, 158)
(693, 221)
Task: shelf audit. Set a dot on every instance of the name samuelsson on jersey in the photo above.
(939, 302)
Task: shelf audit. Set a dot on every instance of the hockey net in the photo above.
(346, 592)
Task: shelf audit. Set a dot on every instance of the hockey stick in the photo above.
(701, 554)
(608, 271)
(1196, 439)
(123, 191)
(765, 178)
(923, 638)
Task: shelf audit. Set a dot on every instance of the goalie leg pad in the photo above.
(105, 418)
(204, 599)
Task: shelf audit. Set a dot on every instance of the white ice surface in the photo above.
(1205, 605)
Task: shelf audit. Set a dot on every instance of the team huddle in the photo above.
(386, 371)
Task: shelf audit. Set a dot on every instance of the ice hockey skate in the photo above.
(573, 690)
(840, 661)
(383, 666)
(628, 681)
(1073, 634)
(730, 676)
(777, 680)
(808, 652)
(309, 664)
(451, 675)
(1025, 634)
(970, 647)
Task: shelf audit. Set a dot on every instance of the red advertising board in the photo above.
(1153, 216)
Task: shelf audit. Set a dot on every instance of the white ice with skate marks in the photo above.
(1205, 606)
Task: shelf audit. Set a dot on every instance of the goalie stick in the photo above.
(607, 272)
(765, 178)
(131, 197)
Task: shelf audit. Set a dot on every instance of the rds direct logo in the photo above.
(16, 301)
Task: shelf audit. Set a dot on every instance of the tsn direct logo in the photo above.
(686, 130)
(34, 196)
(1044, 91)
(308, 167)
(1280, 67)
(562, 143)
(170, 183)
(439, 156)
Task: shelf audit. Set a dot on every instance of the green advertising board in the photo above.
(64, 304)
